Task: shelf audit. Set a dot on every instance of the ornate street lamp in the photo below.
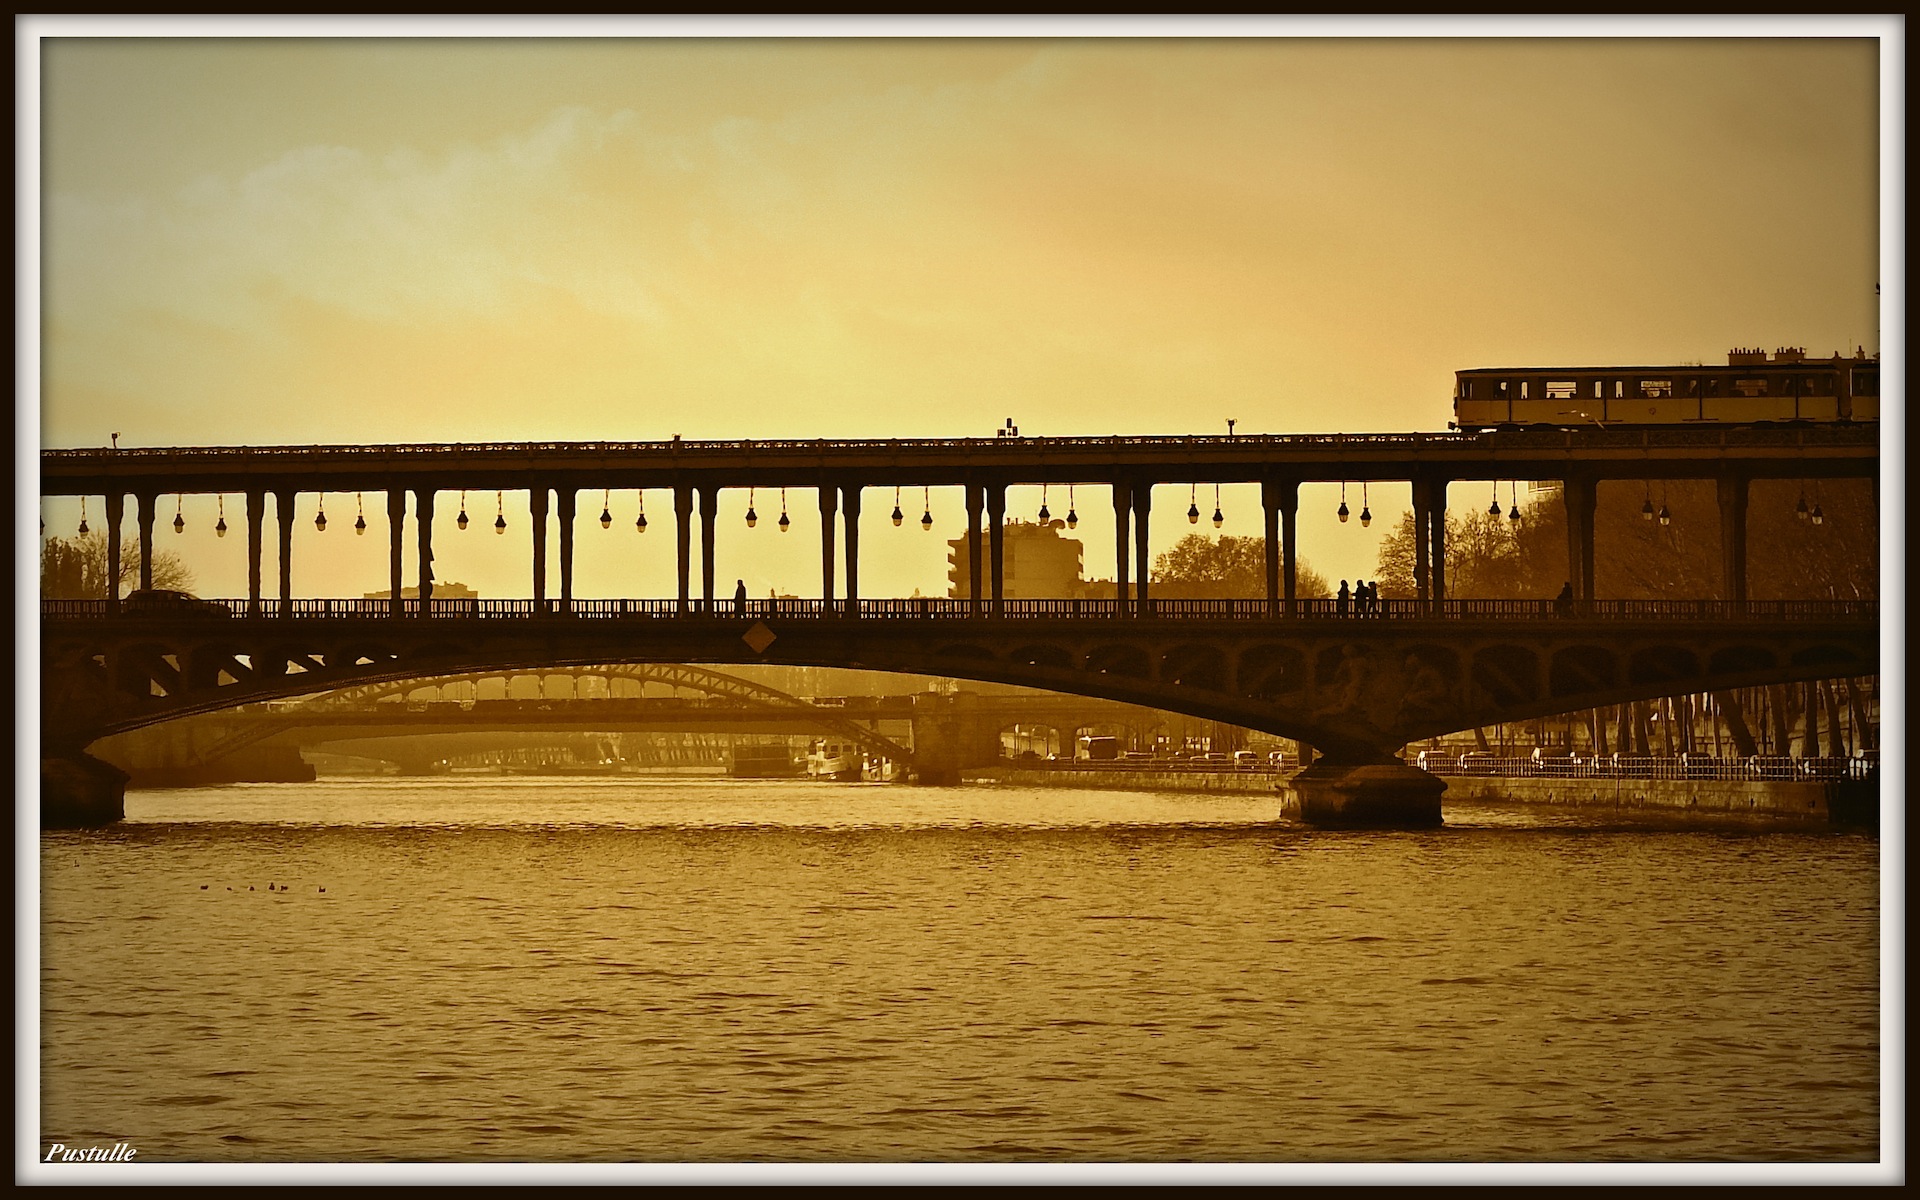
(83, 516)
(220, 527)
(1073, 518)
(640, 522)
(179, 522)
(753, 518)
(1366, 510)
(785, 524)
(897, 515)
(1193, 504)
(320, 518)
(606, 508)
(461, 522)
(1342, 512)
(926, 509)
(359, 520)
(1045, 516)
(499, 512)
(1219, 518)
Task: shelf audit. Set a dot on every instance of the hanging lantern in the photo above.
(785, 524)
(83, 516)
(1219, 518)
(1513, 513)
(1073, 518)
(1045, 516)
(606, 509)
(1800, 509)
(897, 515)
(1513, 498)
(753, 518)
(359, 520)
(1818, 516)
(640, 522)
(1646, 509)
(1193, 507)
(1366, 510)
(462, 520)
(499, 512)
(179, 522)
(320, 518)
(1493, 509)
(1666, 518)
(926, 510)
(1341, 512)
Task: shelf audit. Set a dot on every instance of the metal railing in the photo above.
(1619, 766)
(1245, 443)
(948, 609)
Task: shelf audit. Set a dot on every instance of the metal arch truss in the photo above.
(678, 675)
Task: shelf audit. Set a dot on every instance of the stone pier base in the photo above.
(80, 792)
(1377, 796)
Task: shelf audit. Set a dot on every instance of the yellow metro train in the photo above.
(1750, 390)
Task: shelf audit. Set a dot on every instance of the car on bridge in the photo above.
(165, 602)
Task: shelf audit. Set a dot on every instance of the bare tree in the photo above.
(1228, 567)
(76, 568)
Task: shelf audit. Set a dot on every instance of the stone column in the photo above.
(1290, 545)
(1143, 565)
(1579, 493)
(1422, 561)
(975, 500)
(423, 521)
(1122, 510)
(396, 539)
(146, 538)
(683, 523)
(829, 503)
(537, 500)
(568, 498)
(1437, 520)
(1732, 490)
(997, 544)
(116, 512)
(709, 514)
(256, 517)
(283, 511)
(850, 502)
(1270, 511)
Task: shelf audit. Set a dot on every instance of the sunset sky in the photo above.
(321, 241)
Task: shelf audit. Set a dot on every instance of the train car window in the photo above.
(1656, 388)
(1599, 389)
(1564, 390)
(1866, 383)
(1750, 387)
(1693, 387)
(1523, 389)
(1619, 389)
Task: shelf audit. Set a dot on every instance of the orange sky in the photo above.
(295, 241)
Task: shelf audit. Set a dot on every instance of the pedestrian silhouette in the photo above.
(739, 596)
(1563, 603)
(1340, 603)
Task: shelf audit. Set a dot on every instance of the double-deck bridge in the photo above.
(1356, 688)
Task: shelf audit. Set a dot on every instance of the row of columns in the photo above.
(986, 563)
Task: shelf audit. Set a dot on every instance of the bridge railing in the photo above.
(948, 609)
(1619, 766)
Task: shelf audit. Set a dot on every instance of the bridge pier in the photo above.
(78, 791)
(1122, 509)
(116, 512)
(1375, 796)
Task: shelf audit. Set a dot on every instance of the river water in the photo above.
(662, 969)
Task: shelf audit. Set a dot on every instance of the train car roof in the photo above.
(1801, 365)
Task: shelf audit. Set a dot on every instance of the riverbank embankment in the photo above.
(1809, 802)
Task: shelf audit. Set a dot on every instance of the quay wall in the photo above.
(1798, 802)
